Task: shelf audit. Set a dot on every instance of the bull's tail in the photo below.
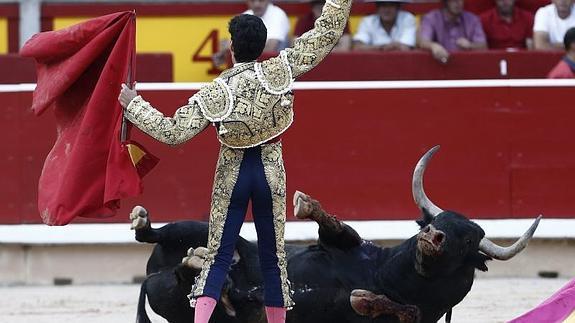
(142, 316)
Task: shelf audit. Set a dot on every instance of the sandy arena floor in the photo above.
(490, 300)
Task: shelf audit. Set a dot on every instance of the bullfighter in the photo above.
(250, 105)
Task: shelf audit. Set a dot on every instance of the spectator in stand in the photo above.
(565, 69)
(275, 20)
(551, 23)
(305, 23)
(277, 25)
(389, 28)
(450, 29)
(507, 26)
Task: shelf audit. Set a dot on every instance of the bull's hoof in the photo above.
(302, 205)
(139, 217)
(366, 303)
(195, 258)
(193, 262)
(362, 302)
(201, 252)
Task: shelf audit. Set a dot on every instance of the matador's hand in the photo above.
(126, 95)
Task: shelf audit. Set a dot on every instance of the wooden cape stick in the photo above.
(124, 128)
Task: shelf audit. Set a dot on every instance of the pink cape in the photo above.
(555, 309)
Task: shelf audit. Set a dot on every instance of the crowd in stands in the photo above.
(442, 31)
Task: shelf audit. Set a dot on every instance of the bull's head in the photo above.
(448, 240)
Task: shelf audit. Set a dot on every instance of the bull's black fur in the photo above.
(322, 275)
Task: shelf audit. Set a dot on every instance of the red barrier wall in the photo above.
(355, 66)
(150, 67)
(420, 65)
(506, 152)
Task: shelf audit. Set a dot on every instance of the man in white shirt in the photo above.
(275, 20)
(277, 25)
(388, 29)
(551, 24)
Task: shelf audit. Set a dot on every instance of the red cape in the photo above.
(80, 70)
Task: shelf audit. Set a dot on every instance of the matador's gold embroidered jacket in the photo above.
(250, 103)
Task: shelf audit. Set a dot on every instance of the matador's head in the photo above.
(249, 36)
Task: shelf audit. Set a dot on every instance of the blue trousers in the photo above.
(255, 174)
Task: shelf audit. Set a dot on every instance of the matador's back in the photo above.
(252, 103)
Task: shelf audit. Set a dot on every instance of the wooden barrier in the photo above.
(152, 67)
(506, 150)
(355, 66)
(420, 65)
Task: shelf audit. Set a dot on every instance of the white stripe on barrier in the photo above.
(24, 87)
(351, 85)
(119, 233)
(368, 85)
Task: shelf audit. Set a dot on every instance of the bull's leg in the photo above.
(191, 265)
(141, 224)
(332, 232)
(139, 218)
(366, 303)
(195, 258)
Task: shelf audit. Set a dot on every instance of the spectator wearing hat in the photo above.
(565, 69)
(551, 23)
(306, 22)
(450, 29)
(507, 26)
(389, 28)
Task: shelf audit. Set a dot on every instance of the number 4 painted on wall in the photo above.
(213, 38)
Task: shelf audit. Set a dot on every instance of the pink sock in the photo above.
(276, 314)
(204, 307)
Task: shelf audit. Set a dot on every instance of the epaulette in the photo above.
(275, 74)
(215, 100)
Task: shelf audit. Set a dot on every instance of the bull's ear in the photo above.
(426, 218)
(478, 261)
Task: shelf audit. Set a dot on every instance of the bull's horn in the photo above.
(491, 249)
(417, 185)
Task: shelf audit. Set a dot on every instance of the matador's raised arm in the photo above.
(187, 122)
(311, 47)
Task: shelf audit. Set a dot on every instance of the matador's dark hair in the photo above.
(569, 38)
(249, 36)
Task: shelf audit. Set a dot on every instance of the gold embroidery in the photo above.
(215, 99)
(275, 75)
(187, 122)
(275, 176)
(267, 85)
(227, 171)
(252, 101)
(314, 45)
(258, 115)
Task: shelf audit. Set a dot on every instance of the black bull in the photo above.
(342, 278)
